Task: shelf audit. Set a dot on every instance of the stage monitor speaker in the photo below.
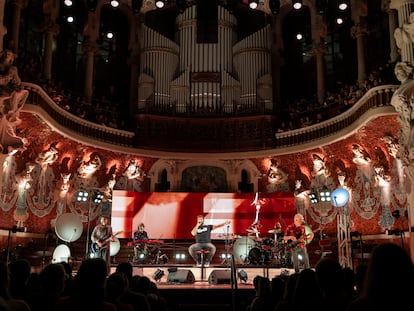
(181, 276)
(220, 277)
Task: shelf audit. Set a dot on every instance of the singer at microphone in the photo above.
(202, 234)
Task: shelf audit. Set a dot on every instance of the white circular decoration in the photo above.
(68, 227)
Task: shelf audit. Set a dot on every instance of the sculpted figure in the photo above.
(403, 102)
(12, 99)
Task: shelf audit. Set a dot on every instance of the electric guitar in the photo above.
(95, 248)
(309, 234)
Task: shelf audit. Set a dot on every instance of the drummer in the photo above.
(278, 232)
(140, 237)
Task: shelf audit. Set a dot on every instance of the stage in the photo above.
(187, 287)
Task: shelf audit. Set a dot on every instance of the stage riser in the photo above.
(202, 274)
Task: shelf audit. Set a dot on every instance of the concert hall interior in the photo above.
(245, 112)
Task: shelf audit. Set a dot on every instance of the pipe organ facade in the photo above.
(191, 78)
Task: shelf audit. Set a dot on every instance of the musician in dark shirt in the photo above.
(140, 245)
(101, 237)
(202, 233)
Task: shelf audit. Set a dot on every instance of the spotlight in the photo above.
(68, 3)
(98, 197)
(325, 194)
(253, 4)
(82, 196)
(343, 5)
(159, 4)
(297, 4)
(158, 274)
(115, 3)
(313, 198)
(242, 276)
(70, 19)
(396, 214)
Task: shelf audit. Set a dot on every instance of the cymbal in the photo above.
(251, 230)
(275, 231)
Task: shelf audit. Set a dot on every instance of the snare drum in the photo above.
(241, 249)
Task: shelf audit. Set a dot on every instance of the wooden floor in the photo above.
(188, 287)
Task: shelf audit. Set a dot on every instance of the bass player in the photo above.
(101, 237)
(296, 239)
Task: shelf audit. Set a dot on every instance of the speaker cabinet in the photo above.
(220, 277)
(181, 276)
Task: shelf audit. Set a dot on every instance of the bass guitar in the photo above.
(104, 242)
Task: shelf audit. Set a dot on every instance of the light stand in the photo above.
(84, 196)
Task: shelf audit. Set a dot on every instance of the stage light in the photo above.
(115, 3)
(242, 276)
(343, 5)
(340, 197)
(98, 196)
(297, 4)
(313, 197)
(253, 4)
(70, 19)
(180, 256)
(82, 196)
(159, 4)
(325, 194)
(158, 274)
(68, 3)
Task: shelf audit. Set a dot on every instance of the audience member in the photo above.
(7, 302)
(88, 288)
(388, 282)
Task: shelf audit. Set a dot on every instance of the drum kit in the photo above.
(256, 250)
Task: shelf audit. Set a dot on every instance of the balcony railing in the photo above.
(197, 135)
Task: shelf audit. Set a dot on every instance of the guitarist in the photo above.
(101, 236)
(295, 237)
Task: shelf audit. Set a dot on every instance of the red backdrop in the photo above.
(172, 215)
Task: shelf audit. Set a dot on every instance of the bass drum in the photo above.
(114, 247)
(241, 249)
(61, 254)
(259, 256)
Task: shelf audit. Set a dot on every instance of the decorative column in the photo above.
(392, 25)
(3, 29)
(134, 61)
(319, 34)
(51, 32)
(17, 5)
(50, 29)
(402, 34)
(90, 48)
(319, 52)
(359, 32)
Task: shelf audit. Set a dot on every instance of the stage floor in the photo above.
(204, 277)
(189, 288)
